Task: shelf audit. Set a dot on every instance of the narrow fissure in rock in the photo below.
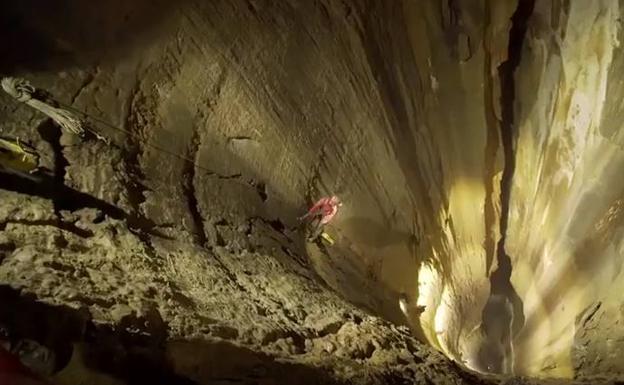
(491, 151)
(188, 181)
(503, 314)
(135, 187)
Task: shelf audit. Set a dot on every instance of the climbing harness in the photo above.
(327, 238)
(313, 233)
(319, 215)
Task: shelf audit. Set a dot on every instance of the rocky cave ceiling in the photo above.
(476, 145)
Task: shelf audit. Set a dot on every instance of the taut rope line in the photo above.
(65, 115)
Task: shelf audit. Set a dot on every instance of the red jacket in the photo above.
(325, 207)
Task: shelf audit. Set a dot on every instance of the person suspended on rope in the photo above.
(320, 214)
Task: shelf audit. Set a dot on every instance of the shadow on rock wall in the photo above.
(42, 35)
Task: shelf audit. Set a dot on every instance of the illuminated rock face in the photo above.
(564, 232)
(563, 236)
(476, 146)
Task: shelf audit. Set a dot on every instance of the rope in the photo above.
(157, 147)
(18, 88)
(24, 92)
(147, 144)
(68, 117)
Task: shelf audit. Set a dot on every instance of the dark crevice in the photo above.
(177, 295)
(298, 342)
(590, 312)
(8, 246)
(502, 292)
(51, 133)
(144, 237)
(193, 205)
(456, 36)
(188, 185)
(252, 6)
(491, 152)
(99, 218)
(232, 176)
(250, 227)
(365, 352)
(61, 242)
(207, 172)
(314, 181)
(134, 185)
(243, 138)
(303, 262)
(262, 191)
(219, 241)
(331, 328)
(89, 78)
(60, 267)
(287, 251)
(506, 73)
(356, 319)
(277, 225)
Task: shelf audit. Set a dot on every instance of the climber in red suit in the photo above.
(321, 214)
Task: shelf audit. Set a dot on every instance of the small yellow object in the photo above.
(327, 238)
(16, 156)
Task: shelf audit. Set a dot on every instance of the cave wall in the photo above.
(229, 118)
(568, 148)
